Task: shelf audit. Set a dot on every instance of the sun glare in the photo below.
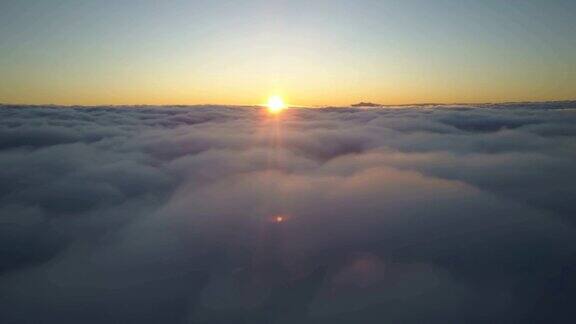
(275, 105)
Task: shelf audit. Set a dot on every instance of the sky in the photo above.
(313, 53)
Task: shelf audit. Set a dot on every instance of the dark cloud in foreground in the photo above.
(436, 214)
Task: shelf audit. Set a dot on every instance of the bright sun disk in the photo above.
(275, 104)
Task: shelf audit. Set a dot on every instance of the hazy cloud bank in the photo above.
(170, 214)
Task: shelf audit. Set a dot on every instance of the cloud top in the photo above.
(170, 214)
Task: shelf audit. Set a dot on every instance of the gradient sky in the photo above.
(311, 52)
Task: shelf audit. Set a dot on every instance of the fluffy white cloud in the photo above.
(169, 214)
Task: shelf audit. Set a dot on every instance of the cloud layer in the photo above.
(225, 215)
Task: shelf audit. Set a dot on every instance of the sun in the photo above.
(275, 105)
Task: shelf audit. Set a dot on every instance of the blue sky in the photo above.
(311, 52)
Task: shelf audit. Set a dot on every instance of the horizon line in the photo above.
(374, 105)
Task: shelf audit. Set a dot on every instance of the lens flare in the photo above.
(279, 219)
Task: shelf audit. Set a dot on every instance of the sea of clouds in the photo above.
(413, 214)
